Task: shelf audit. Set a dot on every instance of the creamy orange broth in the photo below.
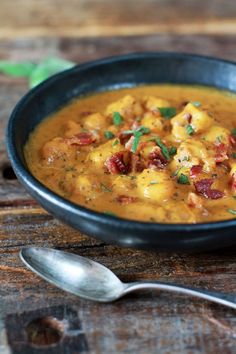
(131, 168)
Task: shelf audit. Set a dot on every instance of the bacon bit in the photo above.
(194, 200)
(203, 187)
(195, 170)
(125, 199)
(156, 159)
(124, 138)
(221, 153)
(81, 139)
(136, 163)
(129, 143)
(119, 163)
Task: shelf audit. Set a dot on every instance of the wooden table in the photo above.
(148, 322)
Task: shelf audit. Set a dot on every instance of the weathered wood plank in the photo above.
(104, 17)
(150, 321)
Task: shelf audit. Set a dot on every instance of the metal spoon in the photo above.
(93, 281)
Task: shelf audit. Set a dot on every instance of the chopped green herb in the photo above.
(234, 196)
(167, 112)
(174, 174)
(117, 118)
(172, 150)
(196, 103)
(232, 211)
(189, 129)
(233, 132)
(234, 155)
(137, 136)
(186, 158)
(105, 188)
(107, 212)
(164, 148)
(108, 134)
(141, 129)
(219, 139)
(183, 179)
(153, 182)
(115, 142)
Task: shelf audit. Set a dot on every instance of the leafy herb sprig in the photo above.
(35, 73)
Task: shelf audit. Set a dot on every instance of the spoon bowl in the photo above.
(91, 280)
(75, 274)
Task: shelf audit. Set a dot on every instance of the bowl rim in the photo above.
(39, 188)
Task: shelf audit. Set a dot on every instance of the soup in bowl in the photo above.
(137, 150)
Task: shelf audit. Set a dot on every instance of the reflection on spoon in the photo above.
(91, 280)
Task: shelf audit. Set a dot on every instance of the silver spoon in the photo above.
(93, 281)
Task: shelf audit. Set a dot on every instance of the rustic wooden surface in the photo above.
(147, 322)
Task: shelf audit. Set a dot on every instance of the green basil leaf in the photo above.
(23, 69)
(47, 68)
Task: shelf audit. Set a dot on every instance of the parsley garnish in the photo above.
(234, 196)
(234, 155)
(167, 112)
(183, 179)
(196, 103)
(117, 118)
(232, 211)
(233, 132)
(108, 134)
(189, 129)
(137, 136)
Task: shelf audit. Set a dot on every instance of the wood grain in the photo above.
(146, 322)
(80, 18)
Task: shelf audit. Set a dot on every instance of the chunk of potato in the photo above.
(152, 121)
(193, 152)
(217, 134)
(199, 120)
(86, 185)
(127, 106)
(151, 103)
(124, 185)
(56, 151)
(72, 128)
(98, 156)
(95, 121)
(154, 185)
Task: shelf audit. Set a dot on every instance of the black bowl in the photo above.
(114, 73)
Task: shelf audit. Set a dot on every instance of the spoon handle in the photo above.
(220, 298)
